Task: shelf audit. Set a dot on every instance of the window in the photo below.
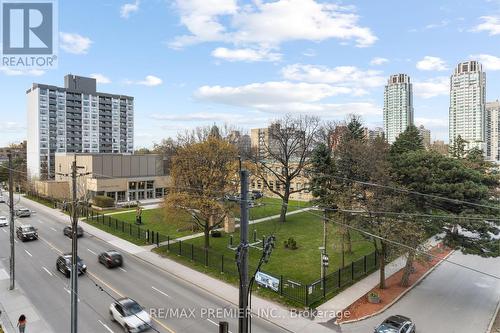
(159, 192)
(142, 185)
(132, 185)
(150, 184)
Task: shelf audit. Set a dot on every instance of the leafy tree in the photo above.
(409, 140)
(457, 149)
(202, 173)
(321, 172)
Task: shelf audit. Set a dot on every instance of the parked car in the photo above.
(26, 232)
(3, 221)
(130, 315)
(396, 324)
(256, 194)
(63, 265)
(111, 259)
(2, 199)
(23, 212)
(68, 231)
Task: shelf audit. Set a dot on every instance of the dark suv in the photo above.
(26, 232)
(63, 265)
(68, 231)
(111, 259)
(396, 324)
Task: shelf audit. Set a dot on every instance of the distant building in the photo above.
(372, 134)
(440, 147)
(425, 134)
(243, 143)
(467, 115)
(398, 106)
(335, 137)
(17, 150)
(493, 131)
(75, 119)
(263, 140)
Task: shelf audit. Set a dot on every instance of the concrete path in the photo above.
(13, 303)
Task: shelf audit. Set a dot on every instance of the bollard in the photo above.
(223, 327)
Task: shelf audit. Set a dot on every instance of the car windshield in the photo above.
(131, 308)
(28, 229)
(386, 328)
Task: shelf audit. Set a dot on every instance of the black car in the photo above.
(396, 324)
(26, 232)
(63, 265)
(111, 259)
(68, 231)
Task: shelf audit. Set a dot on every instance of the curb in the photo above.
(490, 326)
(402, 294)
(181, 278)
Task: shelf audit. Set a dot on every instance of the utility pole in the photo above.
(74, 253)
(11, 209)
(243, 255)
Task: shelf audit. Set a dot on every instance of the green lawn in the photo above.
(302, 264)
(271, 206)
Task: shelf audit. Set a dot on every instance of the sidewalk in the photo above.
(348, 296)
(13, 303)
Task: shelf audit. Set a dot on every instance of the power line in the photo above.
(405, 246)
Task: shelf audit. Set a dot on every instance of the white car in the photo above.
(130, 315)
(3, 221)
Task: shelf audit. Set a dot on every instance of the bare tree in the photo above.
(285, 155)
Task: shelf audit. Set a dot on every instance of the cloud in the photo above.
(267, 24)
(21, 72)
(490, 62)
(377, 61)
(247, 54)
(432, 64)
(441, 24)
(100, 78)
(350, 76)
(129, 8)
(202, 117)
(490, 24)
(149, 80)
(432, 87)
(74, 43)
(11, 126)
(309, 53)
(285, 96)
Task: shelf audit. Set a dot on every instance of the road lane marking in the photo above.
(106, 326)
(15, 240)
(123, 270)
(213, 322)
(161, 292)
(53, 229)
(41, 222)
(69, 292)
(48, 272)
(4, 230)
(92, 252)
(28, 253)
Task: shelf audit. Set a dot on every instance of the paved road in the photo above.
(450, 300)
(151, 287)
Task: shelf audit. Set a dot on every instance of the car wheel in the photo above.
(126, 329)
(111, 317)
(68, 274)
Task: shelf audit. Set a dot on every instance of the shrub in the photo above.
(216, 233)
(291, 244)
(103, 201)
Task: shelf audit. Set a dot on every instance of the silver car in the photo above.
(3, 221)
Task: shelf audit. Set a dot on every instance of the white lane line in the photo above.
(123, 270)
(53, 229)
(161, 292)
(105, 326)
(28, 253)
(48, 272)
(69, 292)
(4, 230)
(15, 240)
(213, 322)
(92, 252)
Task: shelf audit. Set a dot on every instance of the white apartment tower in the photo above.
(398, 106)
(467, 105)
(493, 131)
(75, 119)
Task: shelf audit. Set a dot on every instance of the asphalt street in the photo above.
(450, 300)
(181, 307)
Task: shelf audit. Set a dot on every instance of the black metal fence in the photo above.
(306, 294)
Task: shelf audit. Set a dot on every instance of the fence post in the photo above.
(180, 247)
(116, 224)
(206, 257)
(123, 226)
(364, 263)
(352, 270)
(281, 285)
(192, 252)
(138, 232)
(307, 294)
(147, 235)
(157, 239)
(324, 286)
(340, 276)
(130, 229)
(168, 243)
(222, 263)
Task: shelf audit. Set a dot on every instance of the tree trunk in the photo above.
(381, 260)
(405, 279)
(207, 238)
(284, 204)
